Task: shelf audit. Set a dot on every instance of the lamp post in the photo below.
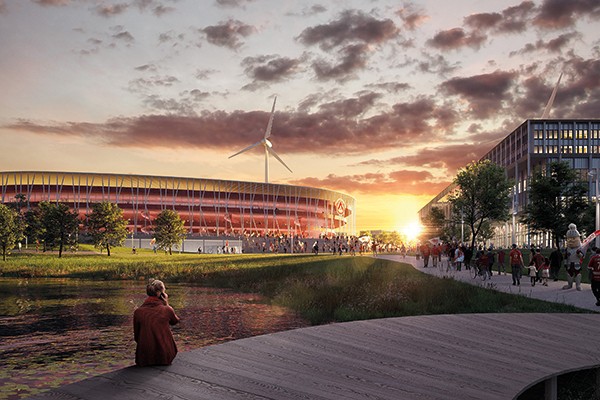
(596, 175)
(514, 215)
(462, 226)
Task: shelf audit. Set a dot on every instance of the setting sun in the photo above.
(412, 230)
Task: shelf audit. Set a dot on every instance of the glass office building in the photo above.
(533, 145)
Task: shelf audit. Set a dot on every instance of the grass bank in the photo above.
(320, 288)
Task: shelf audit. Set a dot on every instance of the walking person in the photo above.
(468, 256)
(516, 263)
(151, 331)
(594, 268)
(426, 252)
(482, 264)
(532, 272)
(545, 273)
(556, 259)
(501, 265)
(491, 259)
(459, 257)
(435, 255)
(538, 260)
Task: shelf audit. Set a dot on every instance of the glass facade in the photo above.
(533, 145)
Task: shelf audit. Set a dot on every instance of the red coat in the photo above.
(155, 343)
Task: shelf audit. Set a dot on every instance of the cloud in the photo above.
(350, 27)
(52, 2)
(3, 8)
(228, 33)
(144, 84)
(436, 64)
(232, 3)
(352, 58)
(553, 45)
(445, 159)
(401, 181)
(456, 38)
(350, 108)
(411, 16)
(156, 6)
(310, 11)
(203, 74)
(348, 42)
(335, 128)
(511, 20)
(559, 14)
(390, 87)
(124, 36)
(110, 10)
(271, 68)
(484, 93)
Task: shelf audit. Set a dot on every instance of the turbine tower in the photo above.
(268, 146)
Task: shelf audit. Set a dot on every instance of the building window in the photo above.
(567, 149)
(582, 134)
(567, 134)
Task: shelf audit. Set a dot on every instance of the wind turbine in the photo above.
(267, 145)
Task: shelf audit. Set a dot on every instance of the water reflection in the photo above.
(54, 332)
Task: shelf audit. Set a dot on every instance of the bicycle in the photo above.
(477, 271)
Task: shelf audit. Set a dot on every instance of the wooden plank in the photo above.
(469, 356)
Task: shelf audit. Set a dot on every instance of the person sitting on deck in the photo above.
(155, 343)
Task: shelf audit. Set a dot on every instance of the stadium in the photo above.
(210, 208)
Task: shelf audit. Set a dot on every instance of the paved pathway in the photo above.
(553, 292)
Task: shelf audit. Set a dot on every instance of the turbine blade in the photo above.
(278, 159)
(551, 100)
(246, 149)
(270, 124)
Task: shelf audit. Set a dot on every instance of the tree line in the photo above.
(483, 196)
(54, 225)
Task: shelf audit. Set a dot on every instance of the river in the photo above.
(58, 331)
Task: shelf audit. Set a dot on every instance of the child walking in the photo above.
(532, 273)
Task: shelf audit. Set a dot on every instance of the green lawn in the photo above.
(321, 288)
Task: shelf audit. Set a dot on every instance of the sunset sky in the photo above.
(383, 100)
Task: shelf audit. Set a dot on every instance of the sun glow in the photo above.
(412, 231)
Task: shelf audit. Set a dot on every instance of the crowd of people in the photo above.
(538, 268)
(454, 256)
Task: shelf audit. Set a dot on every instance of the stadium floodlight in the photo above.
(268, 146)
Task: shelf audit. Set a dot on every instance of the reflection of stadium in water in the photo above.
(209, 207)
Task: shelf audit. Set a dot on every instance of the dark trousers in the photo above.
(516, 274)
(554, 270)
(596, 289)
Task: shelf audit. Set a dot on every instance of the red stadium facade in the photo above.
(209, 207)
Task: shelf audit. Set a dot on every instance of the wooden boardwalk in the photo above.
(467, 356)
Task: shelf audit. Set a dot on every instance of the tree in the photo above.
(34, 228)
(60, 225)
(107, 226)
(435, 223)
(10, 230)
(168, 230)
(557, 197)
(482, 194)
